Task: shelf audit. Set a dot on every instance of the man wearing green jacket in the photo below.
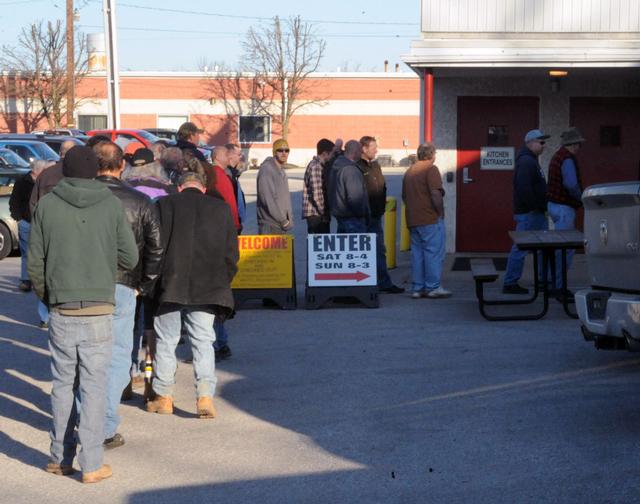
(79, 235)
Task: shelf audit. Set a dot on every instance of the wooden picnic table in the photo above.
(545, 243)
(545, 239)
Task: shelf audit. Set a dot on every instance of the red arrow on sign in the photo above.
(358, 276)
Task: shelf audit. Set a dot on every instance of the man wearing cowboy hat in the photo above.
(564, 188)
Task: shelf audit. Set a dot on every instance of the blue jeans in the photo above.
(80, 352)
(43, 312)
(384, 280)
(199, 323)
(222, 336)
(24, 228)
(427, 256)
(564, 218)
(524, 222)
(351, 225)
(123, 320)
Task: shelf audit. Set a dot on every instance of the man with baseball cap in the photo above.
(564, 190)
(529, 203)
(275, 214)
(79, 235)
(189, 139)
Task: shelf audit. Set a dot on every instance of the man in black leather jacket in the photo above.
(143, 218)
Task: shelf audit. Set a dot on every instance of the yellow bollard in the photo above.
(405, 236)
(390, 215)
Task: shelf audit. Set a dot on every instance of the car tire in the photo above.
(6, 243)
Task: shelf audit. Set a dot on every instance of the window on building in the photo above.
(254, 129)
(498, 136)
(610, 136)
(92, 122)
(171, 122)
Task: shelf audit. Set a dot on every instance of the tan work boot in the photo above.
(94, 476)
(161, 404)
(59, 469)
(205, 408)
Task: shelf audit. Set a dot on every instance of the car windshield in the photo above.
(44, 151)
(11, 158)
(149, 137)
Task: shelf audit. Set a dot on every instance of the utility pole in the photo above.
(71, 80)
(113, 77)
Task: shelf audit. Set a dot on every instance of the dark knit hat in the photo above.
(325, 145)
(80, 162)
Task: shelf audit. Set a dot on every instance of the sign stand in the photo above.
(266, 271)
(316, 297)
(287, 299)
(341, 266)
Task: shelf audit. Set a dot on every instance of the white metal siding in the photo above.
(531, 16)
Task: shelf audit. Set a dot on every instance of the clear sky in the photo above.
(179, 34)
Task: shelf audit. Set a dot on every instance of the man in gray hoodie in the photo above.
(275, 214)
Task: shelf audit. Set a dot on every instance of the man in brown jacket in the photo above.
(422, 193)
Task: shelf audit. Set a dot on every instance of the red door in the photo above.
(485, 196)
(611, 127)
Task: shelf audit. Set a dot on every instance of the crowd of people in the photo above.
(130, 249)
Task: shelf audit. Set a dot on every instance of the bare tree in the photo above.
(34, 78)
(281, 59)
(241, 94)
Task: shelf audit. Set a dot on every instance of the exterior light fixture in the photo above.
(555, 77)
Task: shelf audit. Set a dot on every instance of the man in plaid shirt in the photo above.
(314, 193)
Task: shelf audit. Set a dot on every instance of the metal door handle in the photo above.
(465, 175)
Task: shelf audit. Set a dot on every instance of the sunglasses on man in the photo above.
(282, 150)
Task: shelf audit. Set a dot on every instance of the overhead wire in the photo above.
(155, 8)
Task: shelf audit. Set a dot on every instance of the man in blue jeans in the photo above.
(143, 218)
(79, 234)
(564, 190)
(529, 204)
(201, 256)
(423, 195)
(377, 191)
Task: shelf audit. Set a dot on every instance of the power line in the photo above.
(169, 30)
(256, 18)
(213, 33)
(17, 2)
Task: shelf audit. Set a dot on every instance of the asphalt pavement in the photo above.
(416, 401)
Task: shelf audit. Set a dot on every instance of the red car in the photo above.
(135, 135)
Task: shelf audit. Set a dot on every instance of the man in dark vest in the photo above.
(564, 189)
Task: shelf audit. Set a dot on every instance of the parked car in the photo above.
(9, 160)
(53, 141)
(164, 133)
(8, 226)
(61, 132)
(610, 309)
(129, 135)
(29, 149)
